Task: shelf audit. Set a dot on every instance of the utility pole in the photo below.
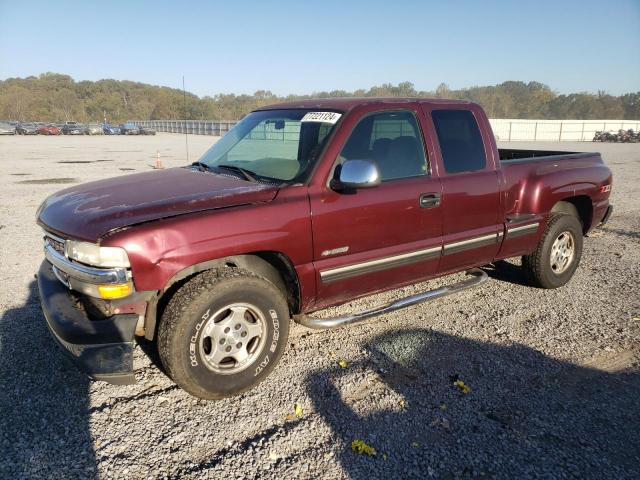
(186, 136)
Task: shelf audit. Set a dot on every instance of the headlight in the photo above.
(97, 256)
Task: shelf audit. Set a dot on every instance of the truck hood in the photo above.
(89, 211)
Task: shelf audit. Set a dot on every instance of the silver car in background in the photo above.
(94, 129)
(7, 128)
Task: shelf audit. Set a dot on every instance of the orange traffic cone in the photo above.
(159, 165)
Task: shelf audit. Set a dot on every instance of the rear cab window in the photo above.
(460, 140)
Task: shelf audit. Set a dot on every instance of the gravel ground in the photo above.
(554, 375)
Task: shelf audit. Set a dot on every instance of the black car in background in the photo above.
(146, 130)
(73, 128)
(27, 129)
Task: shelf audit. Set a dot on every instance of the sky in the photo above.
(304, 47)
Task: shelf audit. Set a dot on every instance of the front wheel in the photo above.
(556, 258)
(223, 332)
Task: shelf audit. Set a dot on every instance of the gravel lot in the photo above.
(554, 375)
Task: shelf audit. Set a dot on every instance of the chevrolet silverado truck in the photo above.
(302, 206)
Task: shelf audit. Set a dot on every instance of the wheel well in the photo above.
(579, 206)
(274, 266)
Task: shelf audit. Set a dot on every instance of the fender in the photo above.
(274, 266)
(554, 183)
(166, 251)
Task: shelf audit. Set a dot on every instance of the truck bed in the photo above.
(512, 155)
(529, 173)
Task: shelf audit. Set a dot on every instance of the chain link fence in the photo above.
(195, 127)
(557, 130)
(504, 129)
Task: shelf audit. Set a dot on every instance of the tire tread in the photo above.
(179, 306)
(535, 264)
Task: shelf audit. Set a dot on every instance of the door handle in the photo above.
(429, 200)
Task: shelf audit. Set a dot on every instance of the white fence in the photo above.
(556, 130)
(504, 129)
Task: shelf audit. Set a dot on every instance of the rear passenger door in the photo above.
(377, 238)
(472, 227)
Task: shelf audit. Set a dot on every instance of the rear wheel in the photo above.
(223, 332)
(556, 258)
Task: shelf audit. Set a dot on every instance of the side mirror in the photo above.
(355, 174)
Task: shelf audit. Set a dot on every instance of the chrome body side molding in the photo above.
(514, 232)
(348, 271)
(475, 242)
(339, 273)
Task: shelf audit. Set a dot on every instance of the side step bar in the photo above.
(478, 277)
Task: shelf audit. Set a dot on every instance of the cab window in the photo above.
(460, 140)
(392, 140)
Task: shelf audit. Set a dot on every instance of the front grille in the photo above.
(57, 244)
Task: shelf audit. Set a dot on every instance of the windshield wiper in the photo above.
(203, 167)
(248, 174)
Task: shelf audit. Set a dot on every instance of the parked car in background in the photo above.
(110, 129)
(27, 129)
(73, 128)
(129, 129)
(6, 128)
(146, 130)
(94, 129)
(49, 129)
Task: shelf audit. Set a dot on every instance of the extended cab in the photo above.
(299, 207)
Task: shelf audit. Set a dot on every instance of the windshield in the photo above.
(278, 145)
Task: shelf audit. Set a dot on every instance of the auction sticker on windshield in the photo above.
(326, 117)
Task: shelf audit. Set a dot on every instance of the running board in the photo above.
(478, 277)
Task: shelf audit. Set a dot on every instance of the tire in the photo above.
(199, 327)
(557, 256)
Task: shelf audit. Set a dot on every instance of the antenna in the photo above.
(186, 135)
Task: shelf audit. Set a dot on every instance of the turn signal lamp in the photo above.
(110, 292)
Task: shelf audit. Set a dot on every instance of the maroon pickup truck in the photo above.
(301, 206)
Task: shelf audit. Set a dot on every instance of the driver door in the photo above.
(378, 238)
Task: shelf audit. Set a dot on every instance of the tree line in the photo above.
(56, 97)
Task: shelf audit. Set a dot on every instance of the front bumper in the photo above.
(103, 348)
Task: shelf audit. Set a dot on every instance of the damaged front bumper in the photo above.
(101, 347)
